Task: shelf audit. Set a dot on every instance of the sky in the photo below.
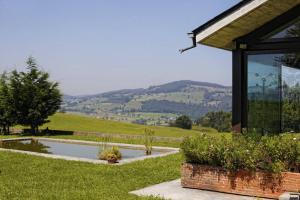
(94, 46)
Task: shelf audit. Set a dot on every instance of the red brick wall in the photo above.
(259, 184)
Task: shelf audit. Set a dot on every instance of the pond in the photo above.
(73, 149)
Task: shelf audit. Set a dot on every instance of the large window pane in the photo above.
(290, 99)
(264, 93)
(274, 92)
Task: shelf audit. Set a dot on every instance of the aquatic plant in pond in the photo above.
(105, 141)
(111, 155)
(148, 140)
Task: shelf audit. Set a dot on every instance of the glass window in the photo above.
(274, 93)
(290, 99)
(289, 30)
(263, 93)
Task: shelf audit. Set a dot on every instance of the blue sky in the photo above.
(93, 46)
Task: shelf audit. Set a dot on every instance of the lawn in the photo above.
(72, 122)
(30, 177)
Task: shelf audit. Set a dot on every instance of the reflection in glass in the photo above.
(263, 94)
(289, 30)
(274, 93)
(290, 99)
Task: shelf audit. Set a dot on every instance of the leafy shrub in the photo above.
(184, 122)
(108, 154)
(249, 152)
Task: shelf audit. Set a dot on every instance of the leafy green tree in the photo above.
(184, 122)
(35, 96)
(219, 120)
(7, 117)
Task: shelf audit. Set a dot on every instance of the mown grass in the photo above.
(29, 177)
(72, 122)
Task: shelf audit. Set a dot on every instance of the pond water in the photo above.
(69, 149)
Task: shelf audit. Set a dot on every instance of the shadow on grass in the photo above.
(27, 132)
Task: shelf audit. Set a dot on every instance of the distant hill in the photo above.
(154, 105)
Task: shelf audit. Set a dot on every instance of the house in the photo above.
(264, 37)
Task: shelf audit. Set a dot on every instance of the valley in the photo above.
(156, 105)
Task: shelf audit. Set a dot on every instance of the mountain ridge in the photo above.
(156, 103)
(152, 86)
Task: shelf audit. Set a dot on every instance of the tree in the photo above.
(35, 97)
(219, 120)
(7, 117)
(184, 122)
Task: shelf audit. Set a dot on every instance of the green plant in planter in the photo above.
(244, 152)
(148, 140)
(112, 155)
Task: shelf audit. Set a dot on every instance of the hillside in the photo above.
(72, 122)
(154, 105)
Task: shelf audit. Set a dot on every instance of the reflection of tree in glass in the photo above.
(292, 59)
(291, 107)
(294, 31)
(32, 145)
(263, 104)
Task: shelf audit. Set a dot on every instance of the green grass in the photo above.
(30, 177)
(72, 122)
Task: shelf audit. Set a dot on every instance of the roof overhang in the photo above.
(243, 18)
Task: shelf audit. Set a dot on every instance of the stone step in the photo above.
(290, 196)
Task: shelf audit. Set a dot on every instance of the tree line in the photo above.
(27, 98)
(219, 120)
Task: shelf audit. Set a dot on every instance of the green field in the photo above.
(75, 122)
(72, 122)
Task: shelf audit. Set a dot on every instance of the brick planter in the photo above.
(259, 184)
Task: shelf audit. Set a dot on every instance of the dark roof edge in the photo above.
(221, 16)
